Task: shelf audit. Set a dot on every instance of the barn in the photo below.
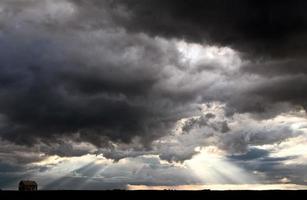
(27, 185)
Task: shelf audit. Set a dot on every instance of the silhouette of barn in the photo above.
(27, 186)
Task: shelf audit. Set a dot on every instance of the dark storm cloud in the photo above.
(49, 96)
(272, 34)
(265, 27)
(282, 67)
(97, 84)
(94, 71)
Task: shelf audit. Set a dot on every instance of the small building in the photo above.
(27, 186)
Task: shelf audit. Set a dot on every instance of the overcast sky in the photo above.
(153, 94)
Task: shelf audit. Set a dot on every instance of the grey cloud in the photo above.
(15, 155)
(271, 169)
(235, 137)
(107, 73)
(239, 141)
(234, 140)
(271, 34)
(252, 154)
(200, 122)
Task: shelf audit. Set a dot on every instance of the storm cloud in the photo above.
(268, 28)
(95, 83)
(160, 79)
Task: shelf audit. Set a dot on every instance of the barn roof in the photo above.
(27, 182)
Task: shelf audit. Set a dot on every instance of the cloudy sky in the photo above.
(153, 94)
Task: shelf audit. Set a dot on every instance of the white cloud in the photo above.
(212, 167)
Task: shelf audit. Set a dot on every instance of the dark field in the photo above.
(152, 194)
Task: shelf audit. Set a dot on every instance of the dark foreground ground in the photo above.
(153, 194)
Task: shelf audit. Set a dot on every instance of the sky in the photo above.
(153, 94)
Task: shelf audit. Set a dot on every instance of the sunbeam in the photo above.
(213, 168)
